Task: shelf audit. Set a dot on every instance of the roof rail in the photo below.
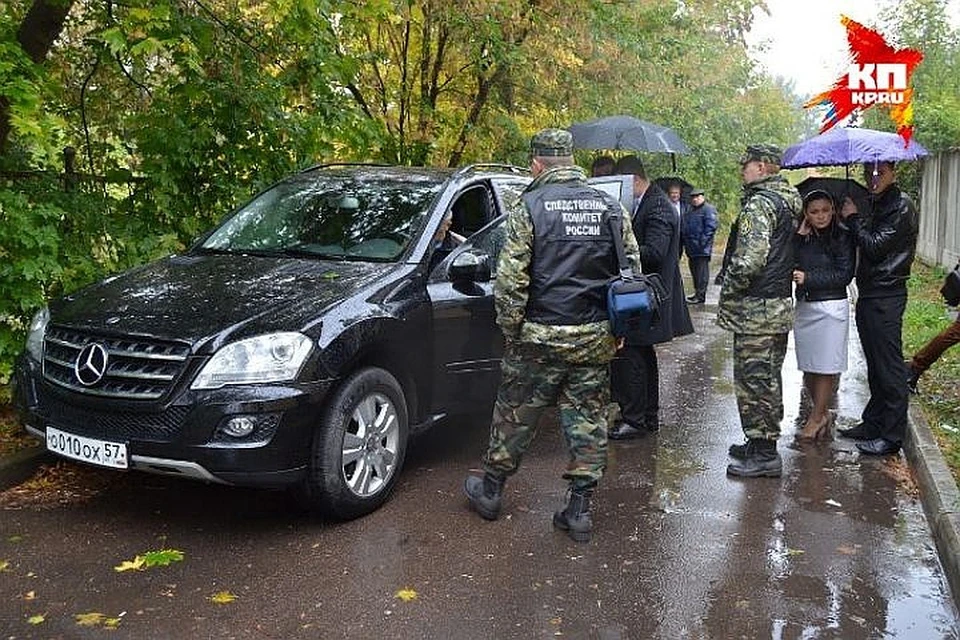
(343, 164)
(509, 168)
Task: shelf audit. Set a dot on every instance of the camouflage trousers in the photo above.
(757, 364)
(533, 378)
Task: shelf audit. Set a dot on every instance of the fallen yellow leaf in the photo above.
(30, 595)
(223, 597)
(795, 552)
(406, 594)
(91, 619)
(4, 565)
(111, 623)
(37, 619)
(130, 565)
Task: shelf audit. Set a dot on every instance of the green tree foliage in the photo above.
(179, 109)
(924, 25)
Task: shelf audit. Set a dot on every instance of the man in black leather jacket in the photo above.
(886, 236)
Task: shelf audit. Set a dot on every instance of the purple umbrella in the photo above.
(848, 145)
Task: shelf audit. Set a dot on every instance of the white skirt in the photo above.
(820, 333)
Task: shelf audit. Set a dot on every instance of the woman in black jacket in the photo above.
(824, 254)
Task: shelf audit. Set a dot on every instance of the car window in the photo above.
(373, 218)
(510, 190)
(486, 244)
(618, 186)
(490, 241)
(471, 210)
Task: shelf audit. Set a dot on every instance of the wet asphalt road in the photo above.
(837, 548)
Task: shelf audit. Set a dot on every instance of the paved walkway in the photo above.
(839, 547)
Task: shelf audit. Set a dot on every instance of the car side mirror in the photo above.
(470, 266)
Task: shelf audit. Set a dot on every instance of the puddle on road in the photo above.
(673, 467)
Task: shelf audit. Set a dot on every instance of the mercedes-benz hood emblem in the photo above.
(91, 364)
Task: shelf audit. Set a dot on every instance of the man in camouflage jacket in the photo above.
(550, 297)
(756, 304)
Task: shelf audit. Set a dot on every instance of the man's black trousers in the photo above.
(700, 271)
(880, 325)
(635, 383)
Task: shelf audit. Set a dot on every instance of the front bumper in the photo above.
(182, 435)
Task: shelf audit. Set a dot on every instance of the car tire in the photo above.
(358, 446)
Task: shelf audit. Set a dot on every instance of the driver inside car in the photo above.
(444, 241)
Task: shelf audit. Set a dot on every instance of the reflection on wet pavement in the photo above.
(836, 548)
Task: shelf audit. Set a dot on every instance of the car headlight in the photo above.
(276, 357)
(38, 326)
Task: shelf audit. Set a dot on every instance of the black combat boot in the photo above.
(485, 494)
(575, 518)
(760, 459)
(738, 451)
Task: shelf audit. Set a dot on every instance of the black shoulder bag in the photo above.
(633, 300)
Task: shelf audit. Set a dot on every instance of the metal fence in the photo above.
(939, 241)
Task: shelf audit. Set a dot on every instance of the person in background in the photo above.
(635, 374)
(602, 166)
(674, 193)
(699, 228)
(550, 298)
(886, 237)
(756, 304)
(825, 257)
(931, 352)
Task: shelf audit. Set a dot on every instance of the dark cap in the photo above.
(552, 142)
(762, 153)
(696, 192)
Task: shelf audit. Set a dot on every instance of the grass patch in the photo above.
(939, 398)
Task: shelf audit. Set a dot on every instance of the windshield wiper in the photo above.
(213, 251)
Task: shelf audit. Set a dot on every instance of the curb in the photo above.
(938, 494)
(19, 466)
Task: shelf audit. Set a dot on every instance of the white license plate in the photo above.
(99, 452)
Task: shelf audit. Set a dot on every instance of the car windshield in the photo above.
(365, 216)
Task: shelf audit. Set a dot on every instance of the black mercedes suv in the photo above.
(296, 345)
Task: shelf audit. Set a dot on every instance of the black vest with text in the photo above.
(573, 254)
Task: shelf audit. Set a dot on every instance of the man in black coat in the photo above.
(635, 374)
(886, 237)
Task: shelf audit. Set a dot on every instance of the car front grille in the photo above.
(112, 424)
(136, 368)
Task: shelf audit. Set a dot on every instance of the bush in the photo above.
(53, 242)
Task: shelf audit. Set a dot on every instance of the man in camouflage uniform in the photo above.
(756, 304)
(550, 296)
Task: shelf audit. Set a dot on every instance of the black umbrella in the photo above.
(626, 133)
(839, 188)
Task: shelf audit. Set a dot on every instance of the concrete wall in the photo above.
(939, 241)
